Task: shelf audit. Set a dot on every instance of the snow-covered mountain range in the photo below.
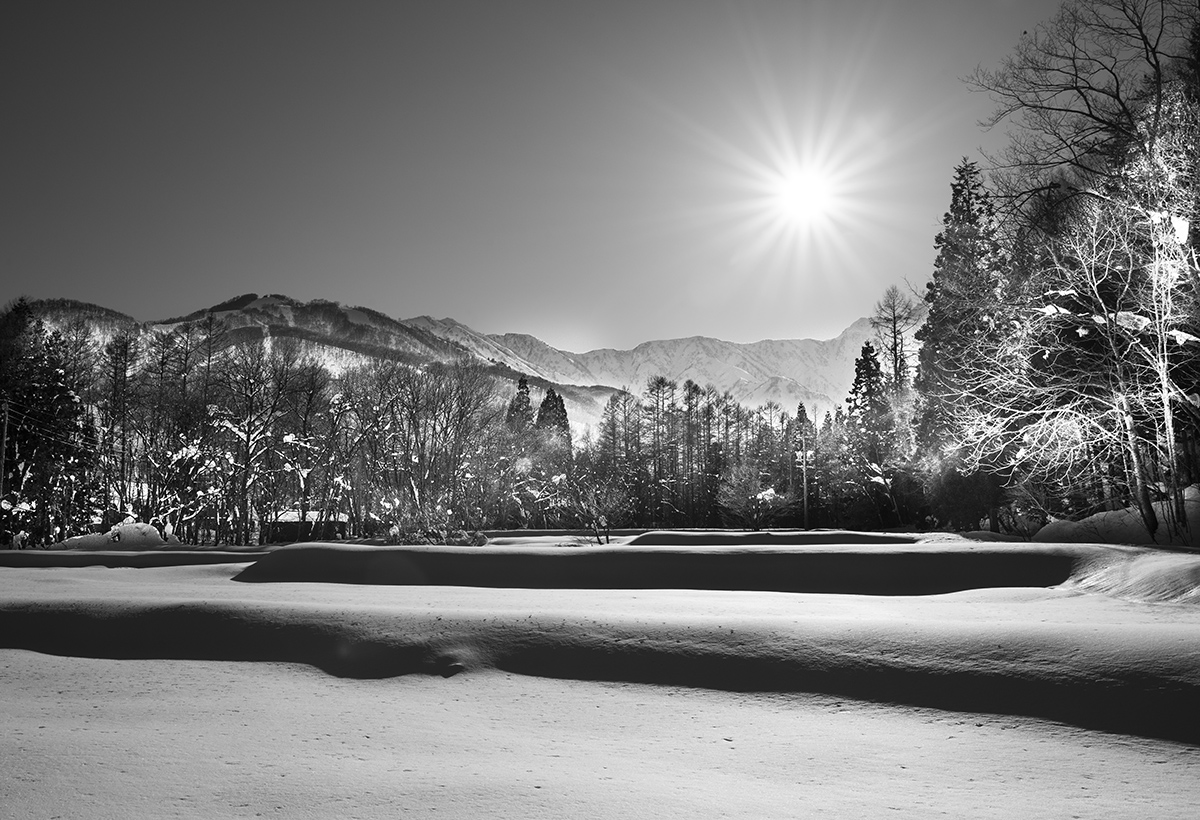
(786, 371)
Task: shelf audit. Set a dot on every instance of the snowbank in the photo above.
(1126, 526)
(708, 617)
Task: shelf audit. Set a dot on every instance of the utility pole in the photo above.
(804, 471)
(803, 454)
(3, 443)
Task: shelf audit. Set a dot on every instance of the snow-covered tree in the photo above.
(747, 499)
(969, 307)
(1092, 387)
(965, 306)
(48, 444)
(519, 417)
(120, 363)
(868, 413)
(871, 434)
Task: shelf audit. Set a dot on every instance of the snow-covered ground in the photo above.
(1125, 526)
(176, 691)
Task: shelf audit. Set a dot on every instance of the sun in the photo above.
(804, 195)
(792, 176)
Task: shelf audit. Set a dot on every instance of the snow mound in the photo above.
(1126, 526)
(1151, 576)
(136, 536)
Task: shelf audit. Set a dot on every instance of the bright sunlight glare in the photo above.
(804, 195)
(793, 173)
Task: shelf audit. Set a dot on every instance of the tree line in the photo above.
(227, 440)
(1050, 367)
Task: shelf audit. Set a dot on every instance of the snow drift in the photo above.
(1063, 653)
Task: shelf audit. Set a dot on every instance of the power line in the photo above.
(33, 411)
(45, 432)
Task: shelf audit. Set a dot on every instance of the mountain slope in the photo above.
(785, 371)
(358, 330)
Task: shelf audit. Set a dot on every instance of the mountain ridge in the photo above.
(817, 373)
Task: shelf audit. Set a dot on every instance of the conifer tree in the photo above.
(969, 317)
(871, 429)
(554, 432)
(869, 413)
(46, 452)
(519, 418)
(803, 441)
(833, 474)
(552, 416)
(964, 300)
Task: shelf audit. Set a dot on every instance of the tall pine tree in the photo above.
(871, 432)
(519, 418)
(967, 311)
(554, 432)
(963, 300)
(869, 415)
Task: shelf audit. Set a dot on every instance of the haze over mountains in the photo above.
(786, 371)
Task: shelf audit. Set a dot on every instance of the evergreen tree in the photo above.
(552, 416)
(869, 413)
(963, 300)
(970, 315)
(519, 418)
(803, 478)
(554, 433)
(46, 452)
(870, 434)
(834, 484)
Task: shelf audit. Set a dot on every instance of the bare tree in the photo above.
(894, 319)
(1083, 89)
(1104, 100)
(255, 379)
(1085, 384)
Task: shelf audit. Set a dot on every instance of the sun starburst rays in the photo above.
(796, 201)
(785, 184)
(786, 187)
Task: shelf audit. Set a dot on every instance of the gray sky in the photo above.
(597, 174)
